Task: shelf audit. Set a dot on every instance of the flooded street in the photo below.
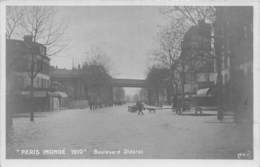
(114, 132)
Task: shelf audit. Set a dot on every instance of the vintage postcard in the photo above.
(112, 80)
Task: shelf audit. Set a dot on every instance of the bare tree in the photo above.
(14, 16)
(119, 95)
(41, 23)
(96, 75)
(171, 37)
(97, 56)
(191, 14)
(156, 80)
(34, 68)
(168, 54)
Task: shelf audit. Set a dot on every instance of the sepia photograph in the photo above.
(129, 82)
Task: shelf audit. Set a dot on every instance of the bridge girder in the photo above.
(137, 83)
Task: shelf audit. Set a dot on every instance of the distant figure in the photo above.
(178, 106)
(140, 107)
(91, 104)
(220, 114)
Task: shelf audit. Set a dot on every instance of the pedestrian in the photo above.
(220, 114)
(91, 104)
(178, 106)
(140, 107)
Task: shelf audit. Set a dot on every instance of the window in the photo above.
(43, 67)
(19, 83)
(47, 83)
(245, 31)
(42, 50)
(39, 65)
(38, 82)
(225, 62)
(228, 61)
(225, 79)
(43, 85)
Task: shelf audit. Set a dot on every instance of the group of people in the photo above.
(94, 104)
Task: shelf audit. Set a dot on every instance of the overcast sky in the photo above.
(126, 34)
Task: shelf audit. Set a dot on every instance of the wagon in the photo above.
(132, 108)
(203, 100)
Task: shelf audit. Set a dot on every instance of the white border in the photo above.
(120, 163)
(2, 83)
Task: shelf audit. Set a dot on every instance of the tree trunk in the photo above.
(175, 96)
(32, 101)
(157, 96)
(169, 95)
(149, 97)
(182, 88)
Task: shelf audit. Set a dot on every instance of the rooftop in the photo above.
(24, 48)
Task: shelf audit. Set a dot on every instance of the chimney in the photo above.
(28, 38)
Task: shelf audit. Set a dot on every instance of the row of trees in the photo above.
(184, 47)
(42, 23)
(40, 26)
(98, 81)
(44, 26)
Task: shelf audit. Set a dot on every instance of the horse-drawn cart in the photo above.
(132, 108)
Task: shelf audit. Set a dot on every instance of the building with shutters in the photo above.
(21, 55)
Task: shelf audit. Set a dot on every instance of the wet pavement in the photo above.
(114, 132)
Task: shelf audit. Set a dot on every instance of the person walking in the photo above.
(140, 107)
(178, 106)
(91, 103)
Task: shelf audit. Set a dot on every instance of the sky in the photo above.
(126, 34)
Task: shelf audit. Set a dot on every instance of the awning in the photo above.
(36, 93)
(203, 92)
(60, 94)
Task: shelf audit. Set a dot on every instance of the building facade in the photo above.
(19, 60)
(73, 84)
(198, 55)
(234, 47)
(77, 89)
(27, 67)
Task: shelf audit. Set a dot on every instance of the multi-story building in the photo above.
(234, 46)
(198, 55)
(77, 89)
(24, 58)
(19, 58)
(72, 81)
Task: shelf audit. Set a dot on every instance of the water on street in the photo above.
(114, 132)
